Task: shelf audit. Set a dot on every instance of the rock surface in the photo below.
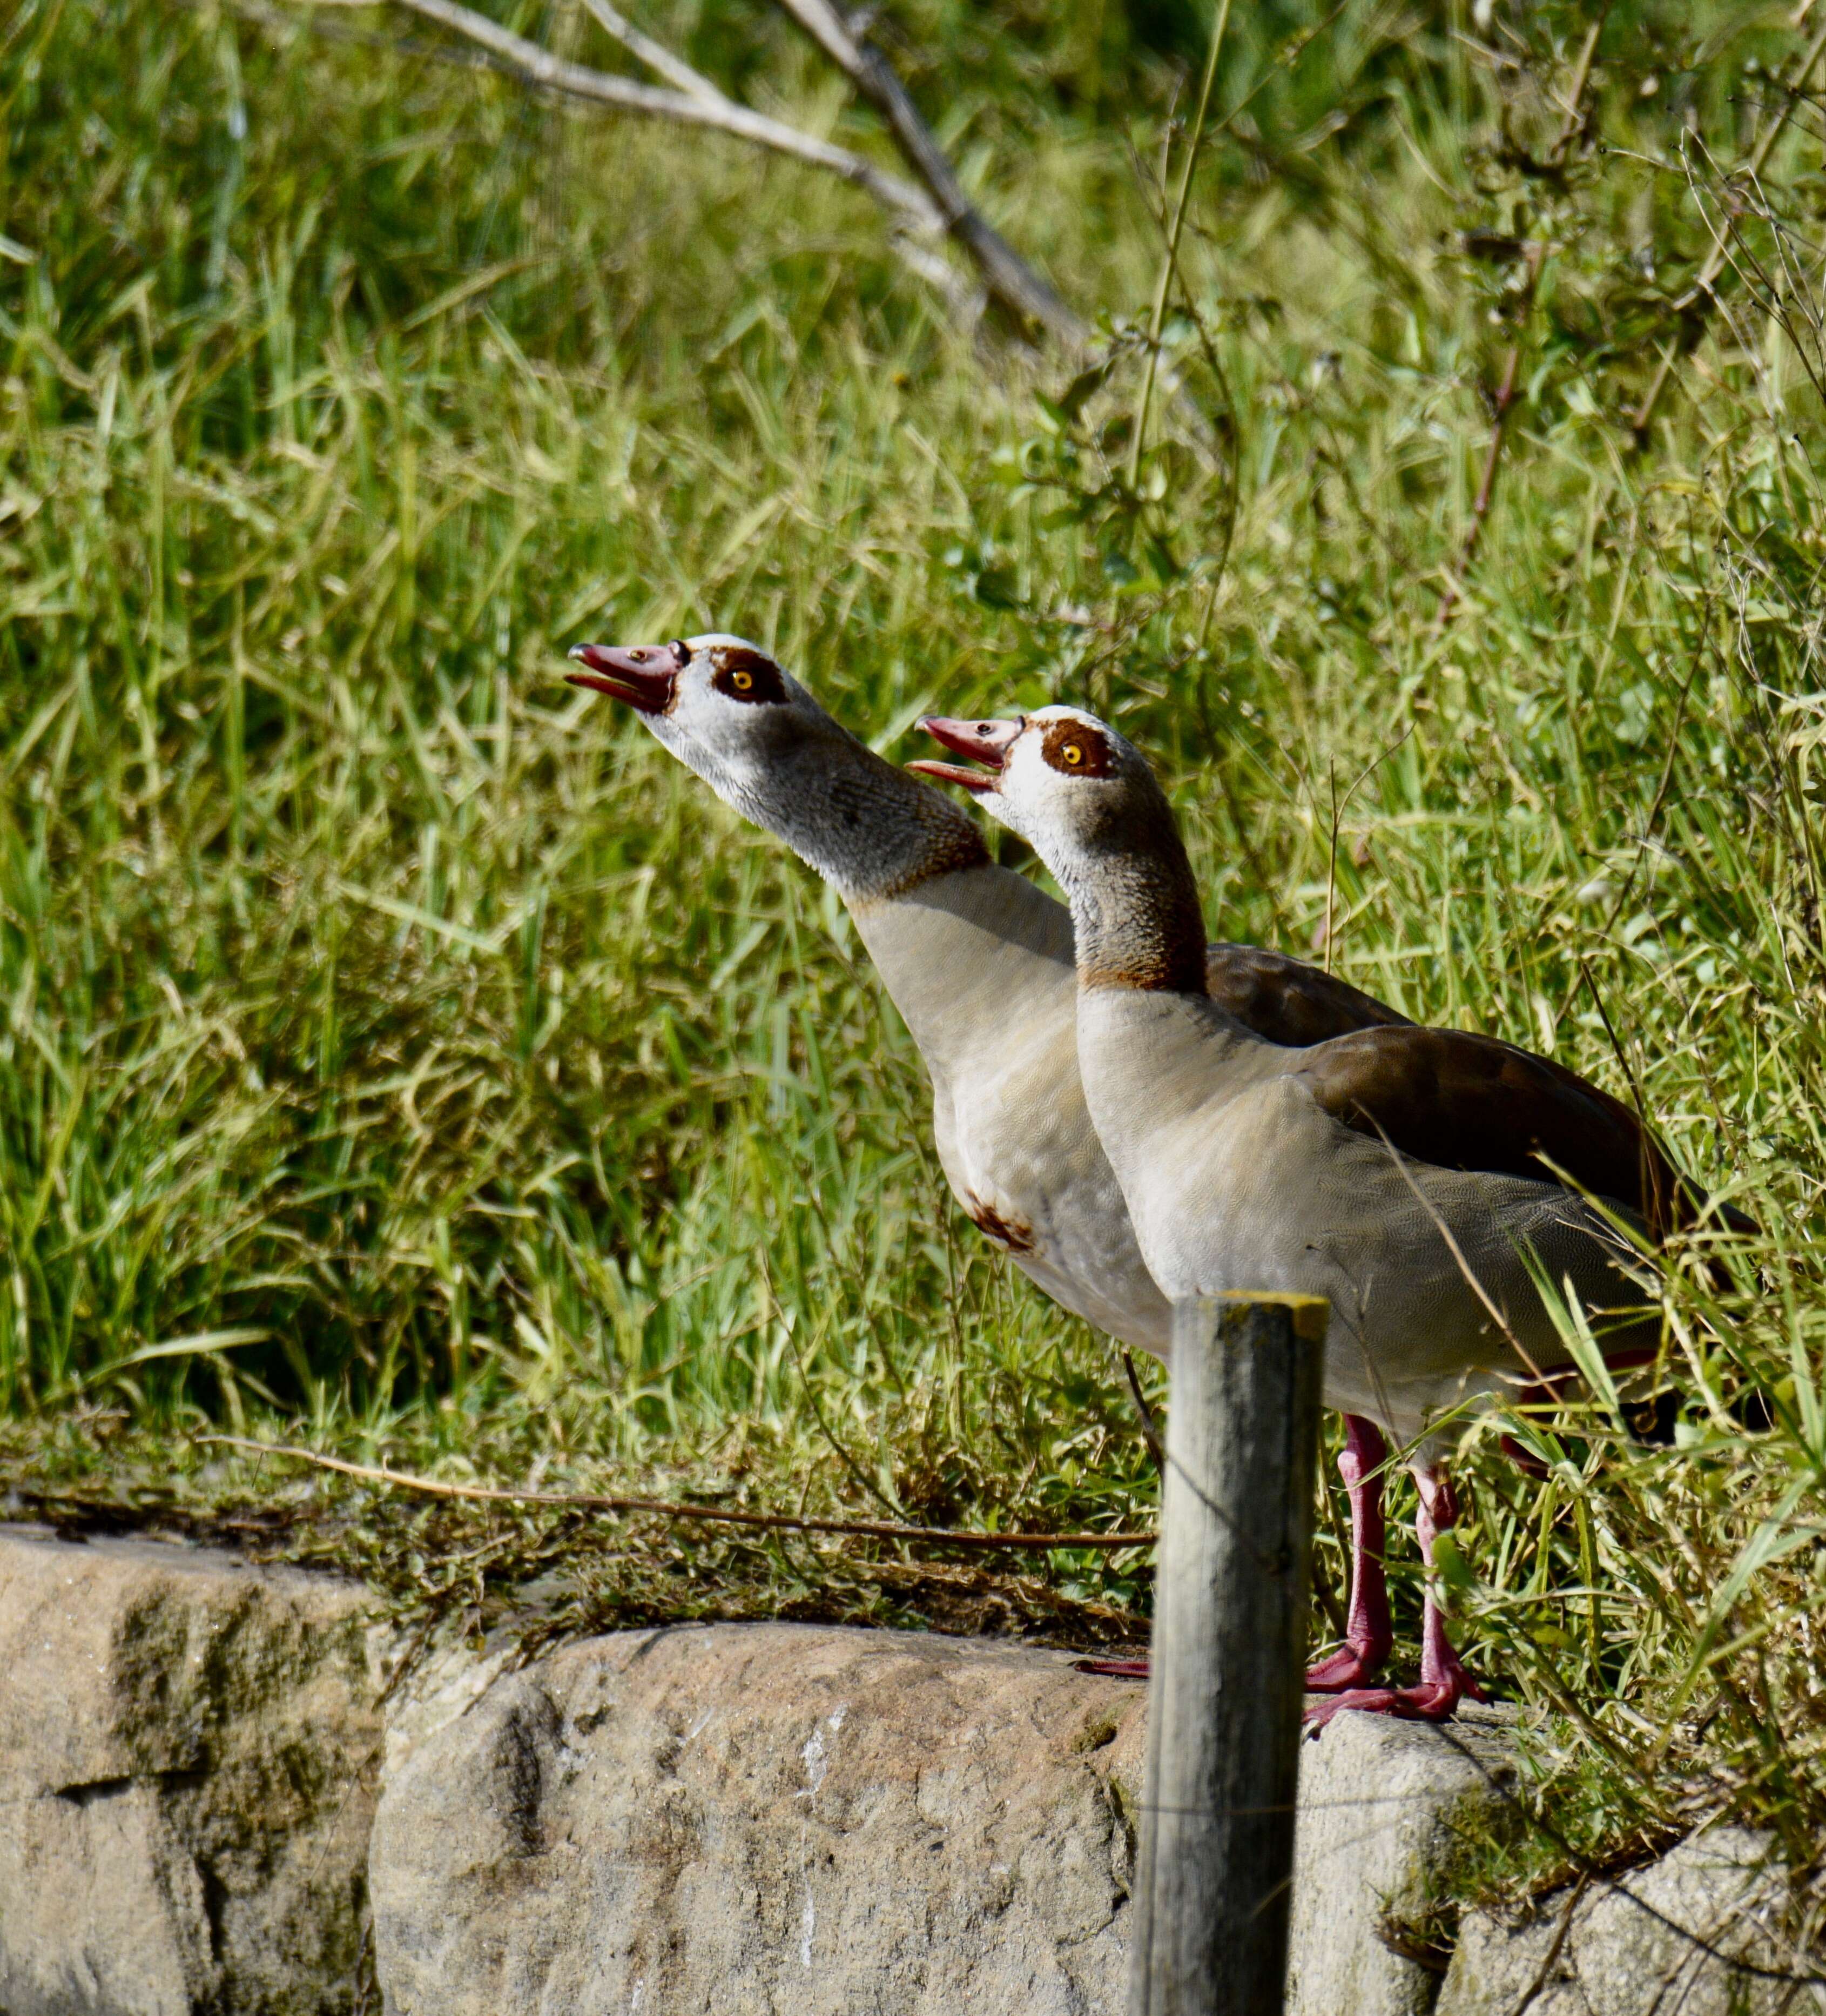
(1383, 1808)
(1656, 1942)
(189, 1750)
(783, 1818)
(713, 1820)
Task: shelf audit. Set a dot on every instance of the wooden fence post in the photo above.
(1231, 1598)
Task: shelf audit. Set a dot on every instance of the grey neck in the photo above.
(870, 829)
(1135, 910)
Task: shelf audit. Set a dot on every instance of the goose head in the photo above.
(718, 702)
(1067, 782)
(756, 736)
(1084, 798)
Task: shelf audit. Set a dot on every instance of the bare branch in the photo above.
(1508, 388)
(1011, 281)
(656, 57)
(912, 209)
(931, 210)
(1169, 264)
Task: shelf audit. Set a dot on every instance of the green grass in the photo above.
(400, 1052)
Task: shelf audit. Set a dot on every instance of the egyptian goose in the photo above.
(976, 958)
(978, 962)
(1407, 1175)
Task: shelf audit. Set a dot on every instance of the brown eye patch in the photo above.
(1077, 750)
(747, 675)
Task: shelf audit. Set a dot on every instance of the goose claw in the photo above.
(1347, 1670)
(1432, 1700)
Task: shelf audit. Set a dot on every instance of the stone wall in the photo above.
(743, 1818)
(207, 1809)
(189, 1754)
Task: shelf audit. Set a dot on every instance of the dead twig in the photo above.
(1169, 263)
(1555, 1945)
(1458, 1252)
(704, 107)
(1010, 282)
(1150, 1428)
(690, 99)
(922, 212)
(592, 1501)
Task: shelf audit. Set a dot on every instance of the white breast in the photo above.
(980, 964)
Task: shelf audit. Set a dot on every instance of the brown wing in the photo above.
(1466, 1102)
(1288, 1001)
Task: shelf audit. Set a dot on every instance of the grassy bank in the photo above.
(399, 1053)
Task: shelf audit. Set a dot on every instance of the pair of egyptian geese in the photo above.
(1138, 1117)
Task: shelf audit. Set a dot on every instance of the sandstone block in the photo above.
(778, 1818)
(1656, 1940)
(188, 1750)
(1384, 1809)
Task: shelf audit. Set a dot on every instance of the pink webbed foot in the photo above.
(1115, 1669)
(1443, 1681)
(1348, 1668)
(1443, 1684)
(1430, 1701)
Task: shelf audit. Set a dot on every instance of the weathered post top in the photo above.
(1230, 1629)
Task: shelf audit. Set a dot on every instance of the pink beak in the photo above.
(645, 675)
(984, 742)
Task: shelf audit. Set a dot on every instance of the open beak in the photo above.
(984, 742)
(645, 675)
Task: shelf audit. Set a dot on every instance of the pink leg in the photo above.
(1368, 1632)
(1443, 1682)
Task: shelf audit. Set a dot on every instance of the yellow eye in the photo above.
(1072, 753)
(742, 681)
